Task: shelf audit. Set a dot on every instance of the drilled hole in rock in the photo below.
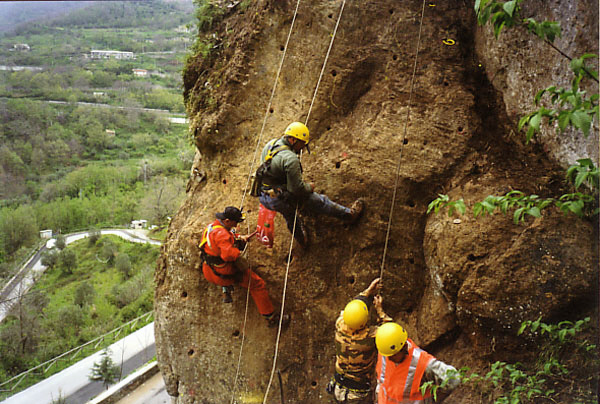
(405, 141)
(471, 257)
(228, 352)
(424, 142)
(411, 204)
(446, 83)
(329, 128)
(411, 260)
(313, 383)
(184, 294)
(236, 333)
(282, 48)
(330, 16)
(225, 182)
(338, 164)
(395, 57)
(271, 110)
(391, 11)
(460, 128)
(333, 73)
(190, 352)
(351, 280)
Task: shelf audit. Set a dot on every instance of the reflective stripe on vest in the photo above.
(407, 378)
(206, 239)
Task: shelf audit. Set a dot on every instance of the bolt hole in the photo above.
(411, 204)
(460, 128)
(282, 48)
(338, 164)
(224, 182)
(351, 280)
(313, 383)
(191, 352)
(395, 57)
(424, 142)
(405, 141)
(330, 16)
(329, 128)
(391, 11)
(471, 257)
(446, 83)
(184, 294)
(333, 73)
(271, 110)
(411, 260)
(236, 333)
(228, 352)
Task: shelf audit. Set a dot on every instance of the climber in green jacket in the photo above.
(281, 187)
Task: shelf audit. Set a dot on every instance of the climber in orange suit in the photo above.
(223, 266)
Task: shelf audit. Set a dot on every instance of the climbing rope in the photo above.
(258, 142)
(287, 268)
(412, 82)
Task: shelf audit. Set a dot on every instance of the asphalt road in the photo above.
(73, 383)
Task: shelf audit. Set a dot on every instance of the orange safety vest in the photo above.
(399, 383)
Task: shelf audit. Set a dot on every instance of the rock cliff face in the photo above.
(457, 285)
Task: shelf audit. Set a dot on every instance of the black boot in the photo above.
(273, 320)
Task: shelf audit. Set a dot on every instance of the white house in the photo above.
(45, 233)
(140, 72)
(107, 54)
(139, 224)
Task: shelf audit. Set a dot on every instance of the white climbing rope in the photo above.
(412, 82)
(258, 142)
(287, 268)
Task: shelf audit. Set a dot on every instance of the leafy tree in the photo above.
(18, 227)
(105, 370)
(61, 243)
(68, 260)
(50, 258)
(94, 236)
(108, 252)
(84, 294)
(162, 199)
(123, 264)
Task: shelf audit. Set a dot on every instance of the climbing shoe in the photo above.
(356, 210)
(273, 320)
(227, 294)
(302, 235)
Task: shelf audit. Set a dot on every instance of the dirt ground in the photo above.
(460, 288)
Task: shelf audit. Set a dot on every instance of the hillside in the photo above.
(460, 285)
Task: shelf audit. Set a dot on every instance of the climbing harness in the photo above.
(263, 180)
(449, 41)
(412, 83)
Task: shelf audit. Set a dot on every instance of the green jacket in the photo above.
(286, 168)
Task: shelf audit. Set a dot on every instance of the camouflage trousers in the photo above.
(348, 396)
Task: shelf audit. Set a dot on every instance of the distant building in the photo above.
(139, 224)
(140, 72)
(107, 54)
(45, 233)
(99, 94)
(21, 47)
(110, 132)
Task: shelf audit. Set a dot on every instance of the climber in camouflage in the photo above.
(356, 353)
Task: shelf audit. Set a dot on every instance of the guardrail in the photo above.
(69, 356)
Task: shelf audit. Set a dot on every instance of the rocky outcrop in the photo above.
(374, 130)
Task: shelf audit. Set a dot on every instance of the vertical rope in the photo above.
(296, 213)
(412, 82)
(258, 142)
(262, 129)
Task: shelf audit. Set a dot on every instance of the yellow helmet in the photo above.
(356, 314)
(390, 339)
(299, 131)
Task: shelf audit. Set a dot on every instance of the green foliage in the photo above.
(60, 242)
(50, 258)
(507, 383)
(84, 294)
(123, 264)
(105, 370)
(94, 236)
(67, 260)
(584, 173)
(573, 107)
(443, 201)
(207, 14)
(507, 14)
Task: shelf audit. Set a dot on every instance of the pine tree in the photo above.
(105, 371)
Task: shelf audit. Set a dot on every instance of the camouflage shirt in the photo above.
(356, 353)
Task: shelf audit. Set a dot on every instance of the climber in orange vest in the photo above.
(402, 367)
(223, 266)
